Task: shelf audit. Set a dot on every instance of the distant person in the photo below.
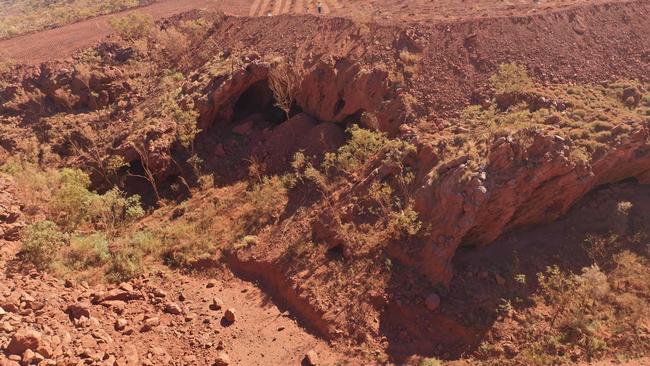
(319, 7)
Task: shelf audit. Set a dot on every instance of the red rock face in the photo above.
(342, 91)
(516, 188)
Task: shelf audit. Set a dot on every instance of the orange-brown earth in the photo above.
(475, 178)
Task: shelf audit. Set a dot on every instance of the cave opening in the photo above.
(258, 99)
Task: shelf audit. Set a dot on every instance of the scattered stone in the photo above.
(311, 358)
(432, 302)
(211, 284)
(189, 359)
(217, 304)
(150, 323)
(173, 308)
(6, 327)
(230, 315)
(116, 305)
(9, 362)
(23, 340)
(27, 298)
(159, 293)
(120, 324)
(76, 311)
(222, 359)
(116, 294)
(126, 287)
(68, 283)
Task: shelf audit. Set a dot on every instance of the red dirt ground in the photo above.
(61, 42)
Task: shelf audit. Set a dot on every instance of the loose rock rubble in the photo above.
(50, 321)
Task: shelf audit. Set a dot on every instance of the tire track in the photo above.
(263, 8)
(255, 7)
(287, 6)
(277, 8)
(299, 7)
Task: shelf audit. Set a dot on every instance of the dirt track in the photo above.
(61, 42)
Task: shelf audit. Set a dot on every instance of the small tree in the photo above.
(41, 244)
(71, 203)
(284, 82)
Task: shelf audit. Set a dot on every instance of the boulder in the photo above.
(222, 359)
(230, 315)
(24, 339)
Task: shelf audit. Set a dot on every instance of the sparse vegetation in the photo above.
(41, 244)
(284, 81)
(29, 16)
(511, 79)
(133, 26)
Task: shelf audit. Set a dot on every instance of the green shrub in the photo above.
(115, 210)
(72, 201)
(145, 242)
(511, 79)
(186, 243)
(363, 147)
(42, 243)
(133, 26)
(124, 265)
(87, 251)
(430, 361)
(268, 199)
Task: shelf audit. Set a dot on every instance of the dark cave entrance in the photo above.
(258, 99)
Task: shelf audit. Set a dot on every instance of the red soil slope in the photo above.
(61, 42)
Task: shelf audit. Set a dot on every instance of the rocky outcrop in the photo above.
(331, 91)
(10, 225)
(521, 183)
(219, 107)
(343, 90)
(62, 87)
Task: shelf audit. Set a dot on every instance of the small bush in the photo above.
(87, 251)
(430, 361)
(364, 146)
(145, 242)
(269, 199)
(511, 79)
(115, 210)
(133, 26)
(186, 243)
(42, 243)
(124, 266)
(72, 201)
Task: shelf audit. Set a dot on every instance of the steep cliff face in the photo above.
(521, 183)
